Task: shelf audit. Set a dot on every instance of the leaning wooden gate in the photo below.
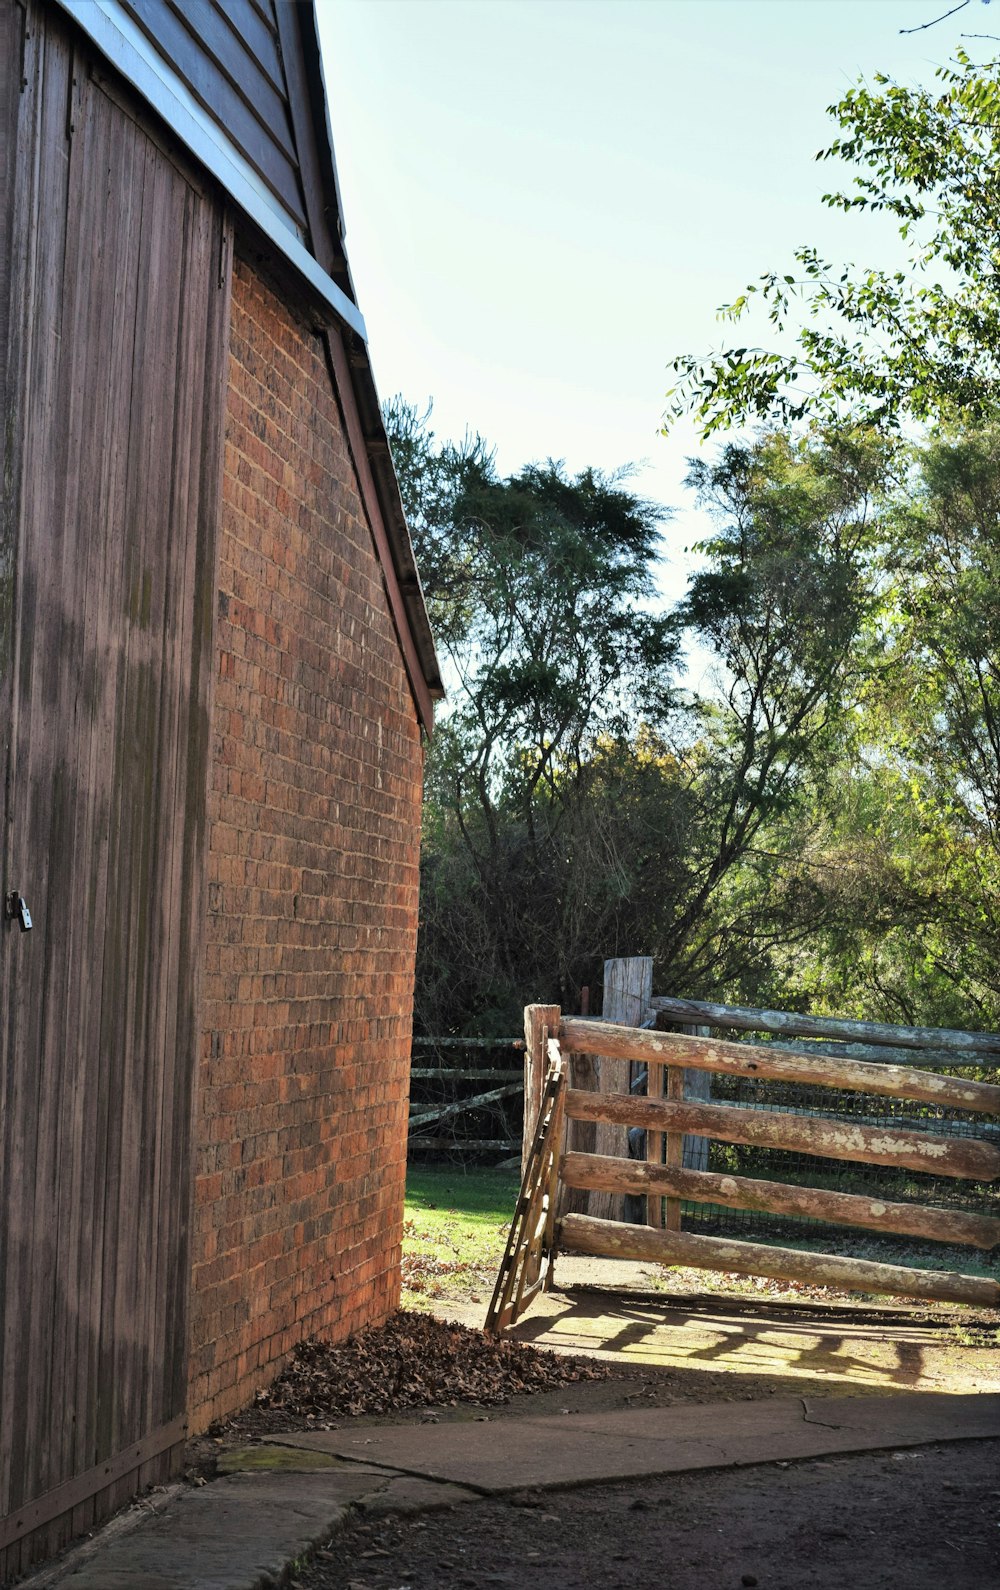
(554, 1171)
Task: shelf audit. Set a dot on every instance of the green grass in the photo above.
(456, 1224)
(455, 1227)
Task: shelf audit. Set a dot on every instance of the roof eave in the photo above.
(328, 282)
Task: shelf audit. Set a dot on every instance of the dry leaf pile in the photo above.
(412, 1361)
(423, 1272)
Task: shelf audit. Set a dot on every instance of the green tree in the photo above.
(875, 346)
(937, 709)
(789, 604)
(902, 849)
(541, 586)
(577, 807)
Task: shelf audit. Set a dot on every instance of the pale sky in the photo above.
(547, 199)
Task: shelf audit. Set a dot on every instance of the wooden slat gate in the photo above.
(663, 1181)
(118, 326)
(526, 1266)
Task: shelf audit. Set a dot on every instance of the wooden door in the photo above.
(118, 325)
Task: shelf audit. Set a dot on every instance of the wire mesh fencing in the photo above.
(888, 1183)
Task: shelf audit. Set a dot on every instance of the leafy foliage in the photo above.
(577, 806)
(541, 586)
(875, 346)
(903, 853)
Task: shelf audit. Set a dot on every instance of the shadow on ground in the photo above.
(613, 1312)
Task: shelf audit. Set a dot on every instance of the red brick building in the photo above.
(216, 673)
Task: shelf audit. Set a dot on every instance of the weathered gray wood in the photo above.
(463, 1106)
(628, 984)
(886, 1054)
(463, 1074)
(762, 1061)
(597, 1172)
(608, 1239)
(453, 1145)
(658, 1082)
(941, 1156)
(697, 1086)
(539, 1022)
(467, 1043)
(581, 1136)
(673, 1142)
(783, 1021)
(628, 987)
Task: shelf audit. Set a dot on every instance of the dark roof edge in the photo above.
(327, 281)
(362, 376)
(394, 516)
(119, 40)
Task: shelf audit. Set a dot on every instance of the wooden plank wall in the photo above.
(12, 24)
(120, 318)
(227, 52)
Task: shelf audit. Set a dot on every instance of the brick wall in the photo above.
(300, 1129)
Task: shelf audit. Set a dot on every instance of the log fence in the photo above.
(576, 1115)
(451, 1112)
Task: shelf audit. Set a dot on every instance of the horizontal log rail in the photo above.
(467, 1043)
(761, 1062)
(603, 1173)
(464, 1074)
(873, 1145)
(926, 1059)
(463, 1106)
(606, 1238)
(669, 1118)
(700, 1012)
(464, 1145)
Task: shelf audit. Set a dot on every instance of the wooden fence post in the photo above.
(539, 1020)
(686, 1152)
(697, 1085)
(628, 989)
(584, 1072)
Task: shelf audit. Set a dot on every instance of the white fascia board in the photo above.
(134, 56)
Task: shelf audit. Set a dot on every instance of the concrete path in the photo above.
(243, 1531)
(277, 1501)
(497, 1457)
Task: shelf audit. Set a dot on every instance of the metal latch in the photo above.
(17, 910)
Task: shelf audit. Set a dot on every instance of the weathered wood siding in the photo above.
(118, 331)
(230, 56)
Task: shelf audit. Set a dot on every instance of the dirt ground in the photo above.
(920, 1519)
(899, 1520)
(655, 1350)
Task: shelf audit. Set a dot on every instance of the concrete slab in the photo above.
(242, 1531)
(500, 1457)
